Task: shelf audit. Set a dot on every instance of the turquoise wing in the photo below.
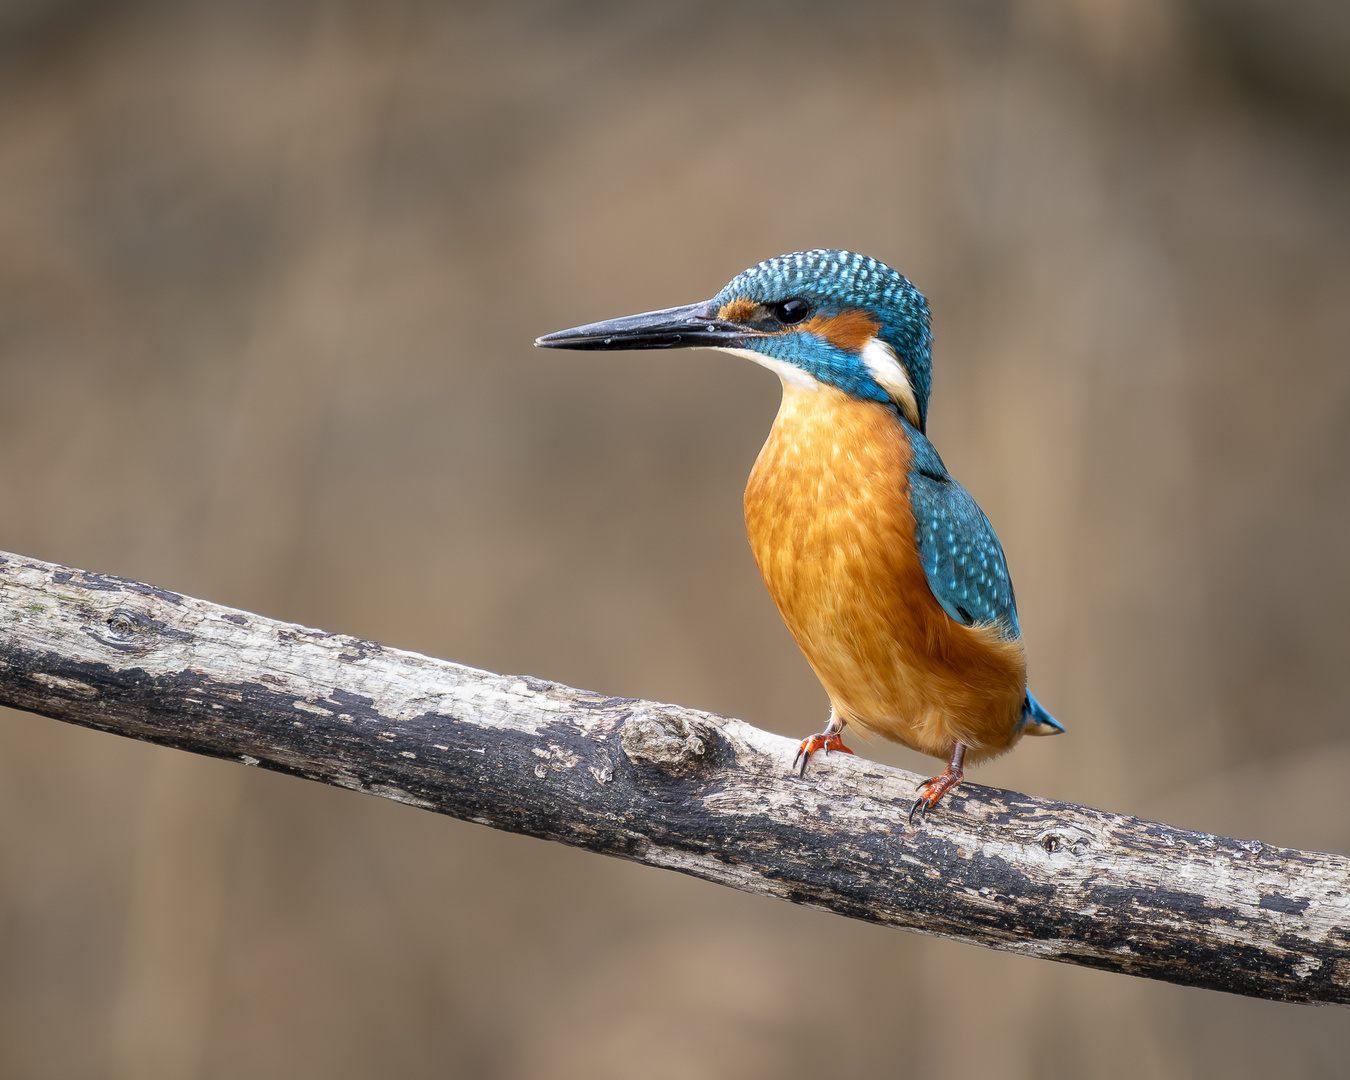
(961, 555)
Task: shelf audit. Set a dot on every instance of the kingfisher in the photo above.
(885, 570)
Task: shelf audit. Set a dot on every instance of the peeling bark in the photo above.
(674, 787)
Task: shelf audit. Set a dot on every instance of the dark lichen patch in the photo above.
(1194, 907)
(1283, 904)
(597, 703)
(357, 649)
(357, 706)
(110, 583)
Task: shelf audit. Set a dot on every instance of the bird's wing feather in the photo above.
(961, 555)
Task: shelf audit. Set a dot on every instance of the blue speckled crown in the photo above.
(842, 280)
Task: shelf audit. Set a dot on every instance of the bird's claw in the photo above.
(826, 740)
(932, 790)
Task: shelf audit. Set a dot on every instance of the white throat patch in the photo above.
(791, 374)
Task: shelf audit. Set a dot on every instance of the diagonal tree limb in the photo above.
(687, 790)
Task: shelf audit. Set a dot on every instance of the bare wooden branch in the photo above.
(675, 787)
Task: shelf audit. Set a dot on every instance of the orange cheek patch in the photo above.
(739, 310)
(849, 330)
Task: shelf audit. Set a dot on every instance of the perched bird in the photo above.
(887, 573)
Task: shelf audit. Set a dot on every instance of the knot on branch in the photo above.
(131, 631)
(662, 739)
(1064, 840)
(124, 625)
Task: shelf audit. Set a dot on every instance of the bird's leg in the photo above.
(932, 789)
(829, 739)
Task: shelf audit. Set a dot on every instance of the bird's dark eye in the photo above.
(791, 311)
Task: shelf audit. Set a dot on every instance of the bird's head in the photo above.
(813, 316)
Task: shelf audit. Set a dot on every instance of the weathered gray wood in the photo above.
(675, 787)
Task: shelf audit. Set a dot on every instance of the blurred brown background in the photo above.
(269, 274)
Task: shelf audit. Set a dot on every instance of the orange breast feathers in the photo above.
(829, 519)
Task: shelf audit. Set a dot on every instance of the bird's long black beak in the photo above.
(673, 328)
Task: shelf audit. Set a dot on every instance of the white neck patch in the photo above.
(890, 375)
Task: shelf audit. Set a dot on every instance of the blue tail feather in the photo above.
(1036, 721)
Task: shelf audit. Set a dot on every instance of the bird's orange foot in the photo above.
(826, 740)
(932, 789)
